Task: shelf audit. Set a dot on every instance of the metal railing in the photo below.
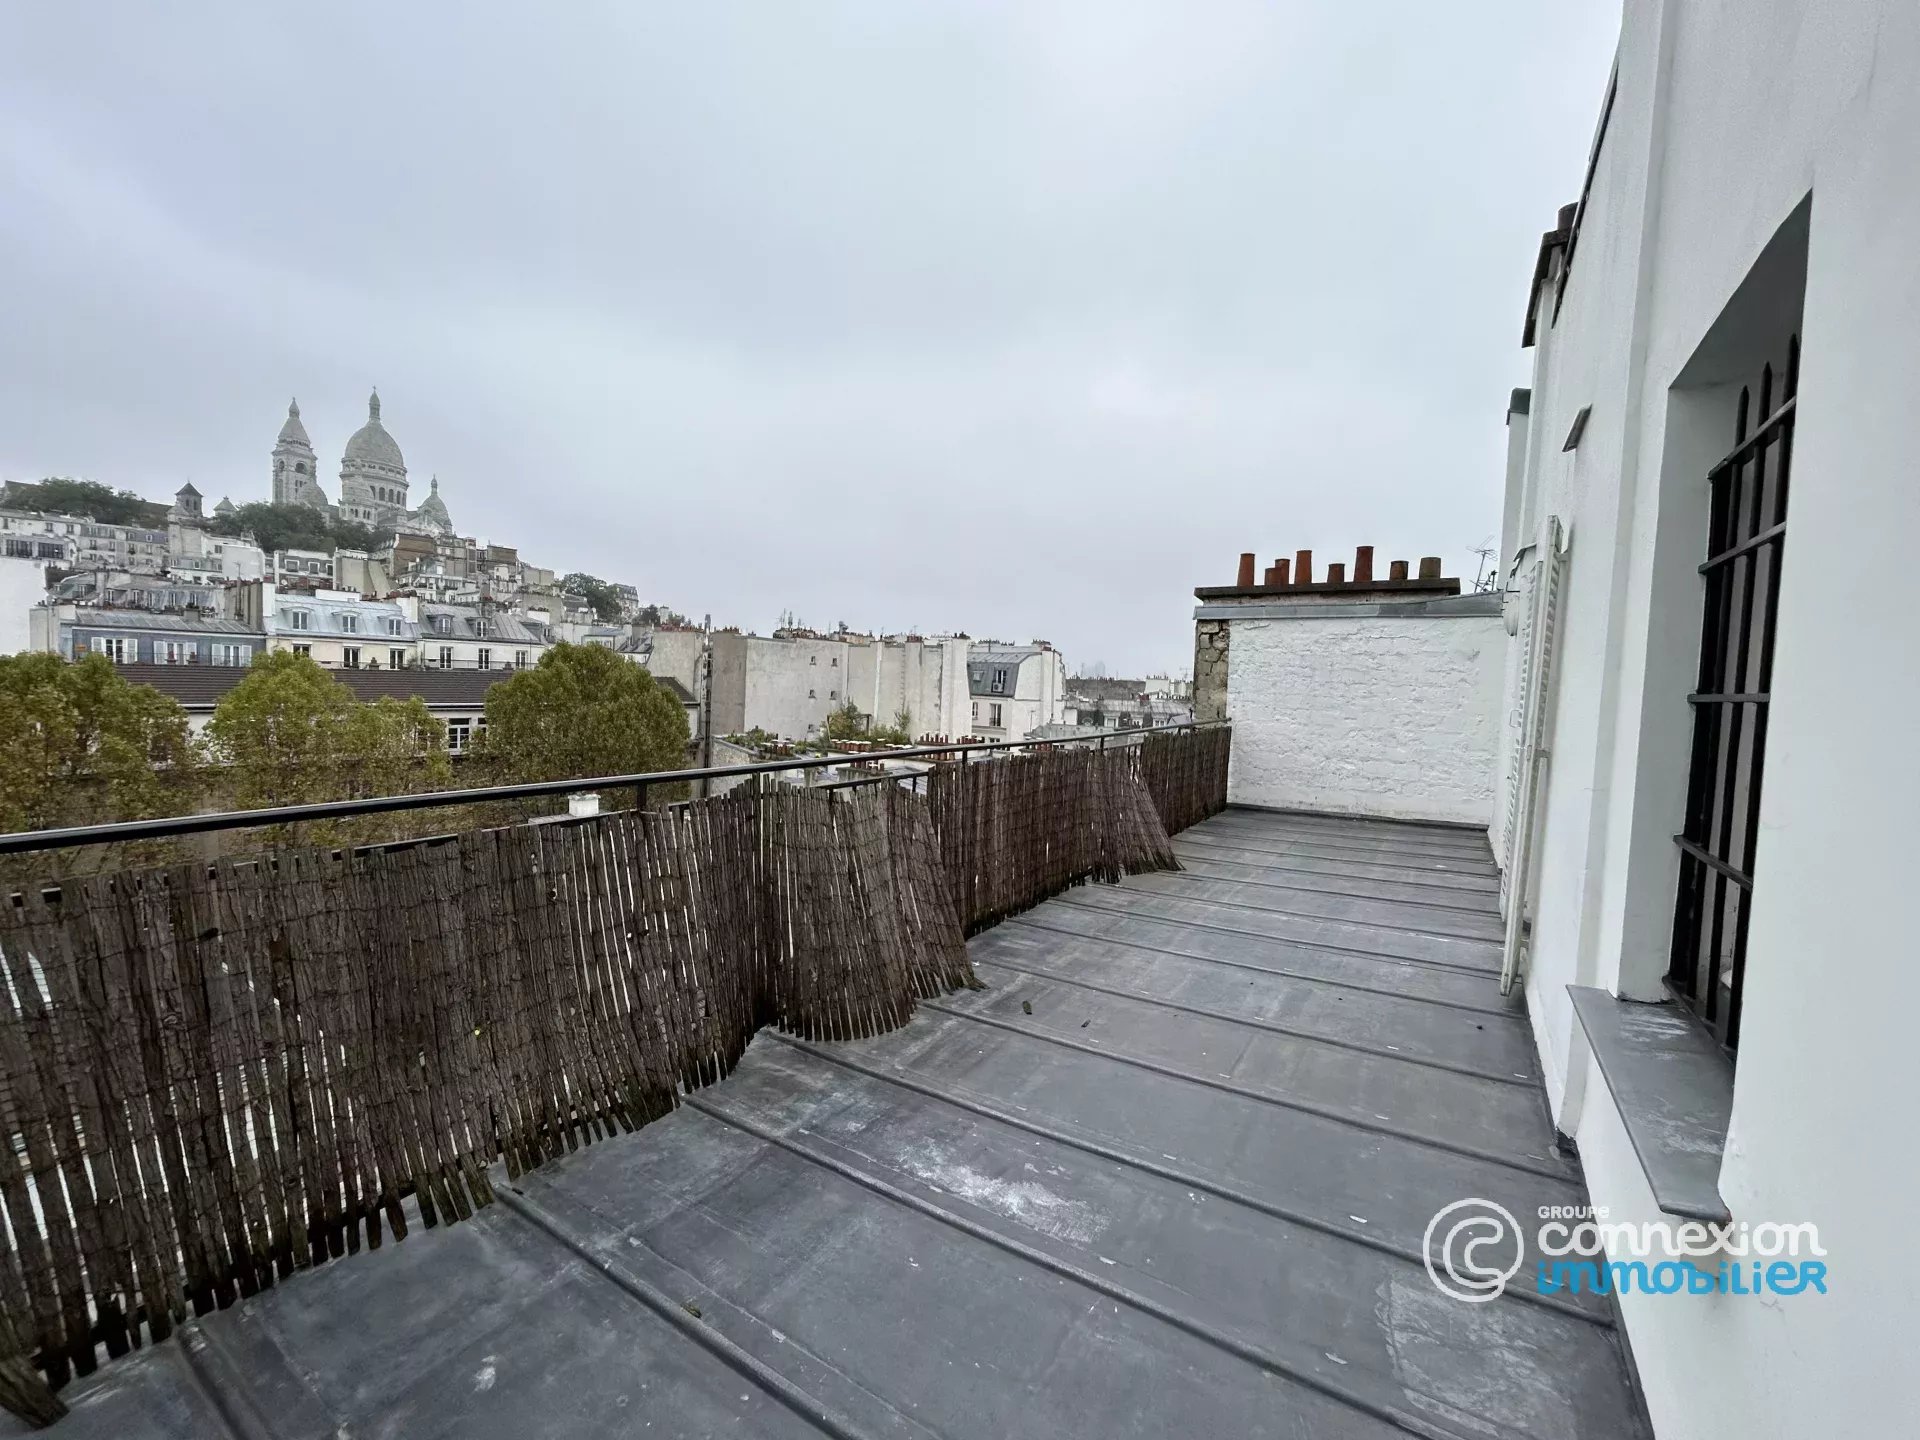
(170, 827)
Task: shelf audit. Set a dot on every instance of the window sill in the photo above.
(1673, 1088)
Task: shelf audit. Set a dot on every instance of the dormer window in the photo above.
(299, 620)
(393, 625)
(443, 625)
(349, 623)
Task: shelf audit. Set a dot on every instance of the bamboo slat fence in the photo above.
(216, 1075)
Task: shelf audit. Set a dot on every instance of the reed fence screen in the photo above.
(215, 1075)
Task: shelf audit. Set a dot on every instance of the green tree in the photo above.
(583, 710)
(277, 527)
(846, 723)
(596, 592)
(63, 496)
(900, 732)
(79, 744)
(281, 732)
(291, 734)
(396, 747)
(296, 527)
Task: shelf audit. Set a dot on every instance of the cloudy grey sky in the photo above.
(1016, 318)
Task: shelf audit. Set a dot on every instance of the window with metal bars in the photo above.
(1746, 534)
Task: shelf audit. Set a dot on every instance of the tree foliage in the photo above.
(60, 495)
(846, 723)
(295, 527)
(78, 744)
(900, 732)
(291, 734)
(583, 710)
(598, 593)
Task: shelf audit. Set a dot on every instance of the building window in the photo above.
(172, 652)
(833, 694)
(975, 717)
(834, 661)
(994, 721)
(485, 661)
(446, 657)
(349, 624)
(299, 620)
(813, 659)
(999, 682)
(396, 659)
(442, 625)
(120, 649)
(350, 656)
(227, 653)
(303, 650)
(519, 659)
(1746, 532)
(459, 733)
(393, 625)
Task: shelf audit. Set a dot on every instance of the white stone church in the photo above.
(373, 478)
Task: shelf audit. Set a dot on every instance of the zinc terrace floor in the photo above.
(1168, 1174)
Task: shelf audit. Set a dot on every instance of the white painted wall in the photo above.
(927, 678)
(1376, 715)
(793, 685)
(23, 585)
(1727, 118)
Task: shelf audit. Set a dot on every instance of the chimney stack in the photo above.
(1303, 567)
(1282, 570)
(1337, 573)
(1397, 570)
(1362, 564)
(1429, 567)
(1245, 582)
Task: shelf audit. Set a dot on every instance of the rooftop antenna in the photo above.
(1488, 572)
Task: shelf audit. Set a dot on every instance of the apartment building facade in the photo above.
(1013, 690)
(1706, 782)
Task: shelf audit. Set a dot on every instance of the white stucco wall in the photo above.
(793, 685)
(23, 585)
(1728, 118)
(1374, 715)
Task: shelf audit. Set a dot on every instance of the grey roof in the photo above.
(202, 686)
(466, 624)
(181, 621)
(187, 489)
(674, 688)
(371, 444)
(982, 662)
(1169, 1173)
(326, 615)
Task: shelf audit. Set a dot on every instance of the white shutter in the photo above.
(1529, 752)
(1516, 722)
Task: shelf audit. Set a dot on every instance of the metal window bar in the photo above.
(22, 842)
(1746, 537)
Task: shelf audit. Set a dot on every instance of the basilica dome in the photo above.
(371, 445)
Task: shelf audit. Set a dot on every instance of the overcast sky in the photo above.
(1021, 319)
